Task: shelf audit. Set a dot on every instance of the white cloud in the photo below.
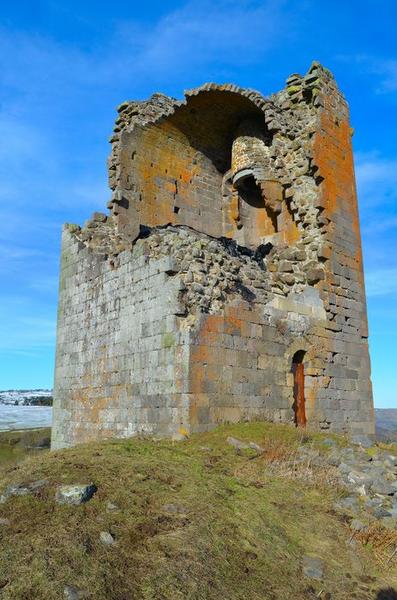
(205, 33)
(376, 178)
(51, 171)
(383, 71)
(199, 35)
(388, 73)
(382, 226)
(26, 333)
(381, 282)
(370, 168)
(49, 87)
(21, 141)
(45, 284)
(10, 252)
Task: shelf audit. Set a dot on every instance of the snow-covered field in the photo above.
(24, 417)
(15, 412)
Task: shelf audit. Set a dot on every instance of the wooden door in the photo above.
(298, 370)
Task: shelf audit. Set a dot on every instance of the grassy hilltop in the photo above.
(198, 519)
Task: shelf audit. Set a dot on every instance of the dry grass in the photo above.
(242, 526)
(278, 458)
(382, 542)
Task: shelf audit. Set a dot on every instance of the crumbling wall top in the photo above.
(225, 161)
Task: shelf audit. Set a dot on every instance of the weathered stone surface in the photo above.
(106, 538)
(231, 246)
(22, 489)
(175, 509)
(370, 478)
(389, 522)
(357, 525)
(380, 486)
(349, 504)
(362, 440)
(380, 513)
(75, 494)
(313, 567)
(70, 592)
(238, 444)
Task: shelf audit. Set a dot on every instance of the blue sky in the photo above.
(64, 66)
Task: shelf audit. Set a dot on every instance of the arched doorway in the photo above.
(298, 370)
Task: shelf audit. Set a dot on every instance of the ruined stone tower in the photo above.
(226, 281)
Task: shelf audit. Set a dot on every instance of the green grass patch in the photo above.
(234, 530)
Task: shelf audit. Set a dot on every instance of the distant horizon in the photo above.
(66, 66)
(45, 389)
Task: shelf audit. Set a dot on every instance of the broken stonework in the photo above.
(226, 281)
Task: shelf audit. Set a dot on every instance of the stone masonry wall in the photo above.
(116, 355)
(232, 243)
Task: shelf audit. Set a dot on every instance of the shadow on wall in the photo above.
(386, 594)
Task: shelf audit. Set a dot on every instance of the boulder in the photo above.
(357, 525)
(106, 538)
(75, 494)
(313, 567)
(372, 502)
(390, 461)
(359, 478)
(70, 592)
(362, 440)
(380, 486)
(350, 503)
(175, 509)
(389, 522)
(334, 460)
(380, 512)
(344, 468)
(238, 444)
(256, 447)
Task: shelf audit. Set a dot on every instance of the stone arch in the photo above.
(172, 168)
(308, 351)
(301, 344)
